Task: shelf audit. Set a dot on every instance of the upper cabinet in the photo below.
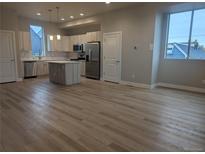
(66, 42)
(93, 36)
(24, 41)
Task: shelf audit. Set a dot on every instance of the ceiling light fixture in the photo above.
(71, 17)
(81, 14)
(62, 19)
(107, 2)
(51, 37)
(58, 35)
(38, 14)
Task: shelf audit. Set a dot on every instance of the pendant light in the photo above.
(51, 36)
(58, 35)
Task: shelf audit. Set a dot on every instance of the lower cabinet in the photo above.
(82, 67)
(42, 68)
(64, 73)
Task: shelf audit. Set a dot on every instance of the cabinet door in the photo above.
(91, 36)
(72, 41)
(45, 68)
(24, 41)
(65, 43)
(27, 41)
(58, 45)
(82, 68)
(98, 35)
(42, 68)
(83, 38)
(39, 68)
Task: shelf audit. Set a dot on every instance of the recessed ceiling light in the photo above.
(107, 2)
(81, 14)
(62, 19)
(38, 14)
(71, 17)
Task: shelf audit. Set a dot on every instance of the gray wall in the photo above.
(141, 27)
(137, 28)
(180, 72)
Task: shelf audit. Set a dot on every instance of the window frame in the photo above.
(190, 35)
(43, 53)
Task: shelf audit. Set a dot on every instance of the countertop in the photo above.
(43, 59)
(64, 62)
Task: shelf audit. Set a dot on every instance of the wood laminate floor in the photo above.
(36, 115)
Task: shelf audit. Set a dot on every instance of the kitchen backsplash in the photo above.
(51, 54)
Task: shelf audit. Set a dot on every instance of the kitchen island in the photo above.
(64, 72)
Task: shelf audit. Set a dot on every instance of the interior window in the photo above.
(197, 49)
(186, 35)
(178, 35)
(37, 40)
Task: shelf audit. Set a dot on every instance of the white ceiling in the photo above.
(66, 9)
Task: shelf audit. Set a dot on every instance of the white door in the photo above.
(112, 44)
(7, 57)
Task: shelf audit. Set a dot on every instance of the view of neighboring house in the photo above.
(37, 40)
(180, 51)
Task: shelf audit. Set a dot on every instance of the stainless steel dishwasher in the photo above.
(30, 69)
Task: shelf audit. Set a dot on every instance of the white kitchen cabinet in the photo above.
(82, 67)
(24, 41)
(82, 38)
(64, 72)
(65, 43)
(98, 35)
(93, 36)
(42, 68)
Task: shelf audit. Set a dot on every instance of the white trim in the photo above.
(111, 33)
(181, 87)
(15, 55)
(138, 85)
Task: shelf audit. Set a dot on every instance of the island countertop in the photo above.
(64, 72)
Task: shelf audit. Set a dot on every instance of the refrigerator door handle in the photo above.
(90, 55)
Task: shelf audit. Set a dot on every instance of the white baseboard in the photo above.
(181, 87)
(138, 85)
(19, 79)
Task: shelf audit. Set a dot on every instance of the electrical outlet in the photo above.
(203, 81)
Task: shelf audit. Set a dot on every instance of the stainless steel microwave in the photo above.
(78, 47)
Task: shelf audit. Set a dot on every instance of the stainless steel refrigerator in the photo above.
(92, 57)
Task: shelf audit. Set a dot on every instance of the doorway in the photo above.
(7, 57)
